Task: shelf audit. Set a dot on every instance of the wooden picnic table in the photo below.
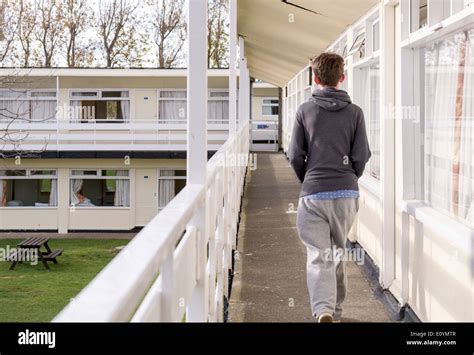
(32, 244)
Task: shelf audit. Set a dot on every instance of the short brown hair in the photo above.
(328, 67)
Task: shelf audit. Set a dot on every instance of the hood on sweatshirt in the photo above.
(331, 99)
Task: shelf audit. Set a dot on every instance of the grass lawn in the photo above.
(32, 294)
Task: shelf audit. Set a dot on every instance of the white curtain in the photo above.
(218, 111)
(75, 113)
(466, 171)
(11, 110)
(53, 195)
(125, 108)
(173, 110)
(374, 125)
(448, 151)
(42, 110)
(166, 188)
(76, 185)
(122, 190)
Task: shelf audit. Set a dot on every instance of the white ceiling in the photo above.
(280, 39)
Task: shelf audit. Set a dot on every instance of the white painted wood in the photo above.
(37, 148)
(92, 126)
(232, 68)
(197, 91)
(387, 99)
(186, 258)
(244, 86)
(436, 12)
(405, 258)
(197, 145)
(151, 277)
(150, 309)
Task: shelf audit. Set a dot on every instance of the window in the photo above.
(100, 106)
(419, 14)
(449, 128)
(424, 13)
(368, 97)
(100, 188)
(341, 48)
(270, 107)
(358, 47)
(218, 106)
(28, 188)
(170, 183)
(376, 36)
(172, 106)
(27, 105)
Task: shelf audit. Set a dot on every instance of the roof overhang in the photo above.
(106, 72)
(281, 37)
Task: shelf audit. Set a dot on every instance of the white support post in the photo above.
(387, 100)
(197, 144)
(244, 86)
(232, 69)
(197, 92)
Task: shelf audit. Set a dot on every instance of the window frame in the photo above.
(171, 177)
(370, 182)
(98, 97)
(29, 176)
(184, 121)
(160, 99)
(412, 48)
(99, 176)
(29, 98)
(270, 105)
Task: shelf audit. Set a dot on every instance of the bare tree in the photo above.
(25, 14)
(76, 16)
(169, 29)
(118, 32)
(218, 33)
(50, 29)
(18, 110)
(7, 29)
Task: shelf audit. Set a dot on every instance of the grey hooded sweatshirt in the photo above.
(329, 146)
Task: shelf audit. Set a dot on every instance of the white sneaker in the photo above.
(325, 318)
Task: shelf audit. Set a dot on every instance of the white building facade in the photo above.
(97, 149)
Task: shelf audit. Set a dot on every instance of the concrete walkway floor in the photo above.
(270, 279)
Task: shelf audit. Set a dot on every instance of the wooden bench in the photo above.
(35, 243)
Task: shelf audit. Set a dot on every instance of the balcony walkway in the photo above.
(270, 281)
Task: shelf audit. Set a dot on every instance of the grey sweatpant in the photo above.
(323, 226)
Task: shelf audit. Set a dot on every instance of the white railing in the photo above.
(154, 278)
(139, 136)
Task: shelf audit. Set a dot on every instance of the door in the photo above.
(146, 196)
(146, 105)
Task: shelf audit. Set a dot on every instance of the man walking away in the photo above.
(328, 152)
